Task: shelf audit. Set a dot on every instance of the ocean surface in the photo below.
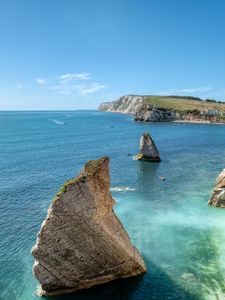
(181, 238)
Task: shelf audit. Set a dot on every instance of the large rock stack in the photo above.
(82, 243)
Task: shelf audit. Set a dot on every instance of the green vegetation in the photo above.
(93, 165)
(138, 156)
(90, 168)
(184, 104)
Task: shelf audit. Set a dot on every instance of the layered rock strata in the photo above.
(153, 113)
(218, 196)
(148, 149)
(82, 243)
(128, 104)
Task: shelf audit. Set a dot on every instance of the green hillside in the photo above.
(182, 104)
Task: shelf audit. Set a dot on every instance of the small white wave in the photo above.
(57, 122)
(122, 189)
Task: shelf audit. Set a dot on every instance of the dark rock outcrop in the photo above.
(218, 197)
(153, 113)
(148, 149)
(82, 243)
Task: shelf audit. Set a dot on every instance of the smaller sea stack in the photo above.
(148, 150)
(218, 197)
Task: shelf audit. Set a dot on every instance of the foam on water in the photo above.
(122, 189)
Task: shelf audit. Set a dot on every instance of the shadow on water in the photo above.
(154, 285)
(147, 171)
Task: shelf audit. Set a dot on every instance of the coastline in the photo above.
(197, 121)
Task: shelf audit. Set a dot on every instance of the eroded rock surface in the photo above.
(218, 197)
(128, 104)
(136, 105)
(82, 243)
(153, 113)
(148, 149)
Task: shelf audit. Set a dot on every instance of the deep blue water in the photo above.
(181, 238)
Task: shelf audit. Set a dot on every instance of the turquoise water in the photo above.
(181, 238)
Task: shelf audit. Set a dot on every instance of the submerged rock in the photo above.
(188, 276)
(82, 243)
(148, 150)
(218, 197)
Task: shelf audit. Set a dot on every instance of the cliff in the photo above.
(128, 104)
(168, 108)
(81, 242)
(218, 196)
(137, 106)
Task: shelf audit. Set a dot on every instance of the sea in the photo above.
(181, 238)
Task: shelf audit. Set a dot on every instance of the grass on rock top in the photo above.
(183, 103)
(90, 168)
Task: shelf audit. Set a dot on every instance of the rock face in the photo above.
(82, 243)
(128, 104)
(148, 150)
(218, 197)
(136, 106)
(153, 113)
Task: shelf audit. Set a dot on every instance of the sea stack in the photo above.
(218, 197)
(148, 150)
(81, 242)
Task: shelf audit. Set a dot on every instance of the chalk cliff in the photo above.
(136, 106)
(148, 149)
(82, 243)
(128, 104)
(218, 197)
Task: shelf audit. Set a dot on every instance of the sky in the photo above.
(75, 54)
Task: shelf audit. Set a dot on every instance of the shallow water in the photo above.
(181, 238)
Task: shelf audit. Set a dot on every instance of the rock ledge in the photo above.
(218, 197)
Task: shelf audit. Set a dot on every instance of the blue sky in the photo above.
(74, 54)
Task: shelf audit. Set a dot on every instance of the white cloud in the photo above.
(184, 91)
(70, 84)
(80, 89)
(90, 89)
(195, 90)
(41, 81)
(75, 76)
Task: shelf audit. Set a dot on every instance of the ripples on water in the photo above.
(181, 238)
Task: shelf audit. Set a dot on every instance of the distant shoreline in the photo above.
(183, 122)
(198, 122)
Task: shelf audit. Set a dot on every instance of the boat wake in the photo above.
(57, 122)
